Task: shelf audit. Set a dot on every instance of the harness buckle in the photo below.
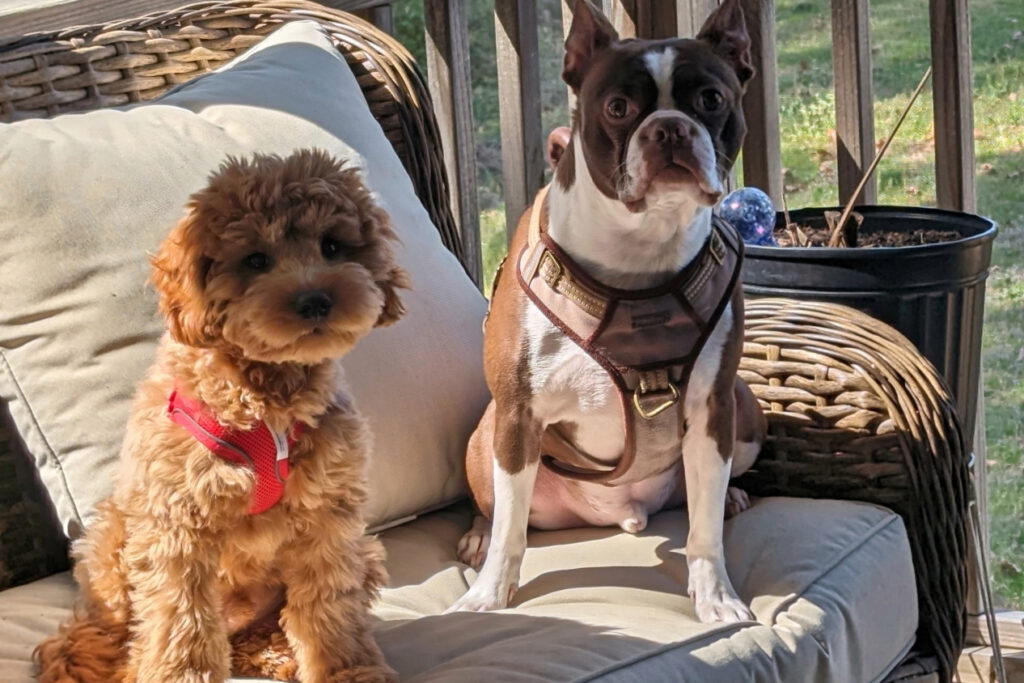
(550, 269)
(717, 247)
(641, 391)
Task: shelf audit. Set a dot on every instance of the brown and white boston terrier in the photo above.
(614, 335)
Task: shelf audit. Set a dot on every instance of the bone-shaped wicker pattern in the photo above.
(854, 411)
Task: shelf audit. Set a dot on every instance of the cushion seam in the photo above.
(659, 651)
(871, 533)
(9, 371)
(675, 645)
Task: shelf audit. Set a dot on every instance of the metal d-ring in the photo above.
(660, 408)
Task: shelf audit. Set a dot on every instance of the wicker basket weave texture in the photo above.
(856, 412)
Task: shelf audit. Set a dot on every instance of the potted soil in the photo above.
(920, 270)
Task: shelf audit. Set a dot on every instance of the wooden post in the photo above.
(855, 123)
(661, 20)
(643, 18)
(762, 163)
(691, 14)
(522, 151)
(622, 14)
(447, 38)
(381, 17)
(954, 116)
(955, 181)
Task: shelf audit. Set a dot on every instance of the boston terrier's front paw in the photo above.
(484, 596)
(713, 596)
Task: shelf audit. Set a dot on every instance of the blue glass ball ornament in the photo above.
(752, 214)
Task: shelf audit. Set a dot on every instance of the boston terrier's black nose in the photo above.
(669, 130)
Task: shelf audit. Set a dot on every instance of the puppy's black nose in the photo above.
(315, 305)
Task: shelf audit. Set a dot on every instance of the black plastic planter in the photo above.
(932, 293)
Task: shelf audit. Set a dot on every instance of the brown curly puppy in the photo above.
(278, 268)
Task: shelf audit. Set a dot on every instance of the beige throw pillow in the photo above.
(84, 198)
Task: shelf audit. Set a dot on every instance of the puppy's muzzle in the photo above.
(313, 306)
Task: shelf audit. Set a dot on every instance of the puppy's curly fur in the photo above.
(172, 565)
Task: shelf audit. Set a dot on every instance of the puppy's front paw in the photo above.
(713, 596)
(484, 596)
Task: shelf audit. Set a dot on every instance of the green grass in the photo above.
(901, 53)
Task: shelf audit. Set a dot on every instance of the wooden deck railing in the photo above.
(522, 138)
(519, 95)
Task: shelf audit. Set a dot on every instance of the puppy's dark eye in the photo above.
(710, 100)
(617, 108)
(331, 248)
(257, 261)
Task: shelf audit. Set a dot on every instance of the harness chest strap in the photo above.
(261, 449)
(647, 340)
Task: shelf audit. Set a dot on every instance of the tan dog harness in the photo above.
(648, 340)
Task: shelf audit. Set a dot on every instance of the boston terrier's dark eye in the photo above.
(710, 100)
(257, 261)
(617, 108)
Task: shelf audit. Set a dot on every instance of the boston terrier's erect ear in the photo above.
(591, 32)
(726, 32)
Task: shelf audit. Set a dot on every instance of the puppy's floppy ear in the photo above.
(726, 32)
(590, 33)
(389, 277)
(396, 278)
(179, 273)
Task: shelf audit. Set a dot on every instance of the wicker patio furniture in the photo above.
(854, 411)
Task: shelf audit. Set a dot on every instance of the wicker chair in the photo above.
(854, 411)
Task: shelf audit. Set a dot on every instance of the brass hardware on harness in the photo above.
(641, 391)
(717, 248)
(550, 269)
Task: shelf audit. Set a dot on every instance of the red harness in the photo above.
(259, 449)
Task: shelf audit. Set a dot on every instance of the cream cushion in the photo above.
(83, 199)
(830, 583)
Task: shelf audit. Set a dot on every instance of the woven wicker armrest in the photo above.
(856, 412)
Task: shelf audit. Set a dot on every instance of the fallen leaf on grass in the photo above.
(1009, 568)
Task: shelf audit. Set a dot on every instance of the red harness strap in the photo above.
(259, 449)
